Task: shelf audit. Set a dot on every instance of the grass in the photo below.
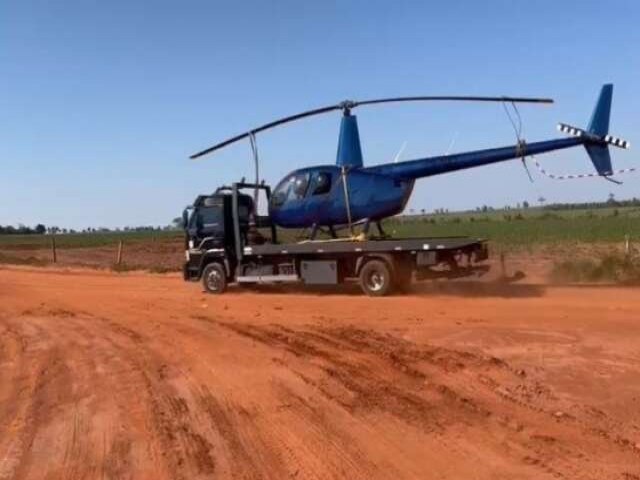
(609, 268)
(16, 260)
(525, 228)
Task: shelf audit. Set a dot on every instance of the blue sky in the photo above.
(102, 102)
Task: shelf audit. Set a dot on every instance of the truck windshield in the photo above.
(207, 218)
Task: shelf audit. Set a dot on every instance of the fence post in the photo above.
(54, 253)
(119, 257)
(626, 245)
(503, 266)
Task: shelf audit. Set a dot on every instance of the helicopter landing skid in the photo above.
(316, 228)
(364, 234)
(381, 232)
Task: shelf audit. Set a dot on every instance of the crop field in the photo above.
(528, 228)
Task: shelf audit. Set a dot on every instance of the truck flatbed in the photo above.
(318, 247)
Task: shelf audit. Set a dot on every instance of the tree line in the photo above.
(41, 229)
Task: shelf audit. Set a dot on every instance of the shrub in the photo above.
(609, 268)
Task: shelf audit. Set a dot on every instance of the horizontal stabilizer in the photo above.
(588, 136)
(617, 142)
(568, 129)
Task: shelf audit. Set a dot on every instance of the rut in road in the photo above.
(439, 390)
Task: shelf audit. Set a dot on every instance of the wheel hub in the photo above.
(376, 281)
(214, 280)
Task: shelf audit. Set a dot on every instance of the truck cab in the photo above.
(208, 222)
(218, 227)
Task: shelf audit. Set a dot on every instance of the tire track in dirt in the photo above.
(363, 372)
(196, 432)
(373, 379)
(91, 344)
(174, 439)
(36, 367)
(283, 451)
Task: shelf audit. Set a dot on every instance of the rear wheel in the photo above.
(214, 278)
(376, 278)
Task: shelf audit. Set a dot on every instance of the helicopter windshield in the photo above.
(293, 187)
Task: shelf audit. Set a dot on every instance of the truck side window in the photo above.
(322, 183)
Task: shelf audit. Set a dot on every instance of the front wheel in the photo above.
(376, 278)
(214, 278)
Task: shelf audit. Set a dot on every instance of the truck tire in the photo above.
(376, 279)
(214, 278)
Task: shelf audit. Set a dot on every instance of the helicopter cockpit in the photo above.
(300, 185)
(293, 187)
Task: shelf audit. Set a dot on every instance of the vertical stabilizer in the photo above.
(599, 123)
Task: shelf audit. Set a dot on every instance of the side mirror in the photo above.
(185, 219)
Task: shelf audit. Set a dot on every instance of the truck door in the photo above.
(207, 223)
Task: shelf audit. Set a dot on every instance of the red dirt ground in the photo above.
(107, 375)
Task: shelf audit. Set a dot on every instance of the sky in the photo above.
(101, 103)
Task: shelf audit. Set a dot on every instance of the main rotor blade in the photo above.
(267, 126)
(454, 99)
(348, 105)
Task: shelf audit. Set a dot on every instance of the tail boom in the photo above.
(426, 167)
(595, 138)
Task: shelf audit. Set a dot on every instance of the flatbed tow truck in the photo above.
(224, 245)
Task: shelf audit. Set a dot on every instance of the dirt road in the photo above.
(138, 376)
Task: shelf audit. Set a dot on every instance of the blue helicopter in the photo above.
(346, 193)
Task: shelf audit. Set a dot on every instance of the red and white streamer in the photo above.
(571, 176)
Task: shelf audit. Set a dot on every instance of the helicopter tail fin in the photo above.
(596, 136)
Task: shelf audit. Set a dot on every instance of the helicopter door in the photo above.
(320, 184)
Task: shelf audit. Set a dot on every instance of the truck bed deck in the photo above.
(348, 246)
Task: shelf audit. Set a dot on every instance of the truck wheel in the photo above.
(214, 278)
(376, 278)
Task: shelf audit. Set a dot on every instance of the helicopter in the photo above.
(347, 192)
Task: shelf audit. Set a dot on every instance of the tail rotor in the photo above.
(596, 137)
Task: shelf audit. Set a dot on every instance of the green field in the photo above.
(504, 228)
(84, 240)
(523, 228)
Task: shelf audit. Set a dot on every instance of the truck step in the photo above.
(267, 278)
